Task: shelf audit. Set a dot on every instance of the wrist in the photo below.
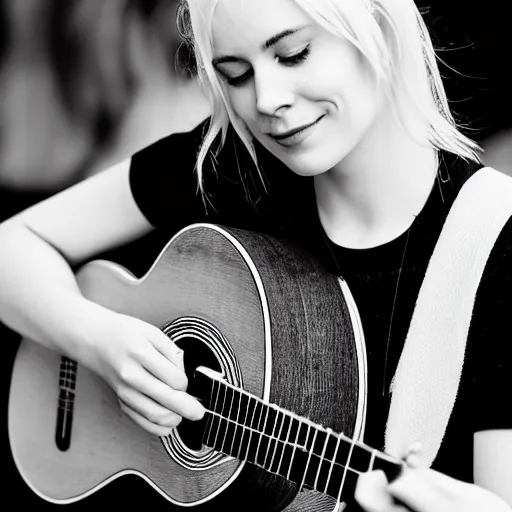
(82, 324)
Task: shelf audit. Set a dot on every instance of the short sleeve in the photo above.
(493, 355)
(163, 180)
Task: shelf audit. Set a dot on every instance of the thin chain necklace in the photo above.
(384, 373)
(328, 243)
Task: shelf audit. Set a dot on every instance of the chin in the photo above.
(312, 163)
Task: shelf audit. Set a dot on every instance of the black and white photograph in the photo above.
(256, 255)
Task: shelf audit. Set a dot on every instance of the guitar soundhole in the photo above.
(203, 344)
(196, 353)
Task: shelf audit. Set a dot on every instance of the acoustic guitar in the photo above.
(274, 348)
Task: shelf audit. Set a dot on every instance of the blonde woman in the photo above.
(329, 125)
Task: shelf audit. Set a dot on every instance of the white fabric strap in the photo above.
(427, 378)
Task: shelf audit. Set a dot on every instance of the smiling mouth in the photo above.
(296, 135)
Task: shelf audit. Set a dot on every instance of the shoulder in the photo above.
(485, 201)
(489, 341)
(181, 150)
(493, 305)
(182, 144)
(495, 189)
(164, 180)
(162, 177)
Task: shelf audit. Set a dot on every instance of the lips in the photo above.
(294, 136)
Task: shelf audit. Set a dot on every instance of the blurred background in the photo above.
(86, 83)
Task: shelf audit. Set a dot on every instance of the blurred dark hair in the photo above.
(4, 32)
(90, 58)
(88, 55)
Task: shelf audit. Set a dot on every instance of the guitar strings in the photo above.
(372, 451)
(293, 445)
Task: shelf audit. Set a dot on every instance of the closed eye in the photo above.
(286, 60)
(297, 58)
(237, 81)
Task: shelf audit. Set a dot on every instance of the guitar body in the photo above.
(262, 312)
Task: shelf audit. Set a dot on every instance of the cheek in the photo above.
(352, 94)
(339, 72)
(242, 103)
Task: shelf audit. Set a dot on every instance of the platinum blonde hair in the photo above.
(392, 37)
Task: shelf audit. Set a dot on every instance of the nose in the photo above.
(274, 94)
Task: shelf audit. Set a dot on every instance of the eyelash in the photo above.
(292, 60)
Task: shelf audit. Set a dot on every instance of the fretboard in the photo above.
(245, 427)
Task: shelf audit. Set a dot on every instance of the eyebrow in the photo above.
(265, 46)
(285, 33)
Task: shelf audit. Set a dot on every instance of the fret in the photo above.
(210, 421)
(254, 435)
(312, 470)
(270, 420)
(247, 432)
(360, 458)
(219, 403)
(67, 374)
(300, 455)
(317, 449)
(252, 447)
(320, 440)
(249, 412)
(66, 386)
(208, 425)
(308, 455)
(346, 469)
(270, 430)
(288, 429)
(338, 473)
(274, 440)
(263, 440)
(297, 452)
(239, 431)
(220, 399)
(331, 451)
(298, 465)
(215, 420)
(219, 440)
(69, 382)
(303, 434)
(259, 417)
(230, 395)
(322, 458)
(280, 444)
(212, 389)
(66, 400)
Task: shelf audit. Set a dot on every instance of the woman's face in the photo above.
(303, 93)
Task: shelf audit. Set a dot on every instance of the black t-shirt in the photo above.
(164, 185)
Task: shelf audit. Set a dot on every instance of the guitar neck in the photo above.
(243, 426)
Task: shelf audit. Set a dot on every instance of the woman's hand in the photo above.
(420, 489)
(145, 369)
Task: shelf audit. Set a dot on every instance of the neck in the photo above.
(374, 194)
(247, 428)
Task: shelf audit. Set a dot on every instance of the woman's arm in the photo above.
(493, 459)
(420, 489)
(40, 298)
